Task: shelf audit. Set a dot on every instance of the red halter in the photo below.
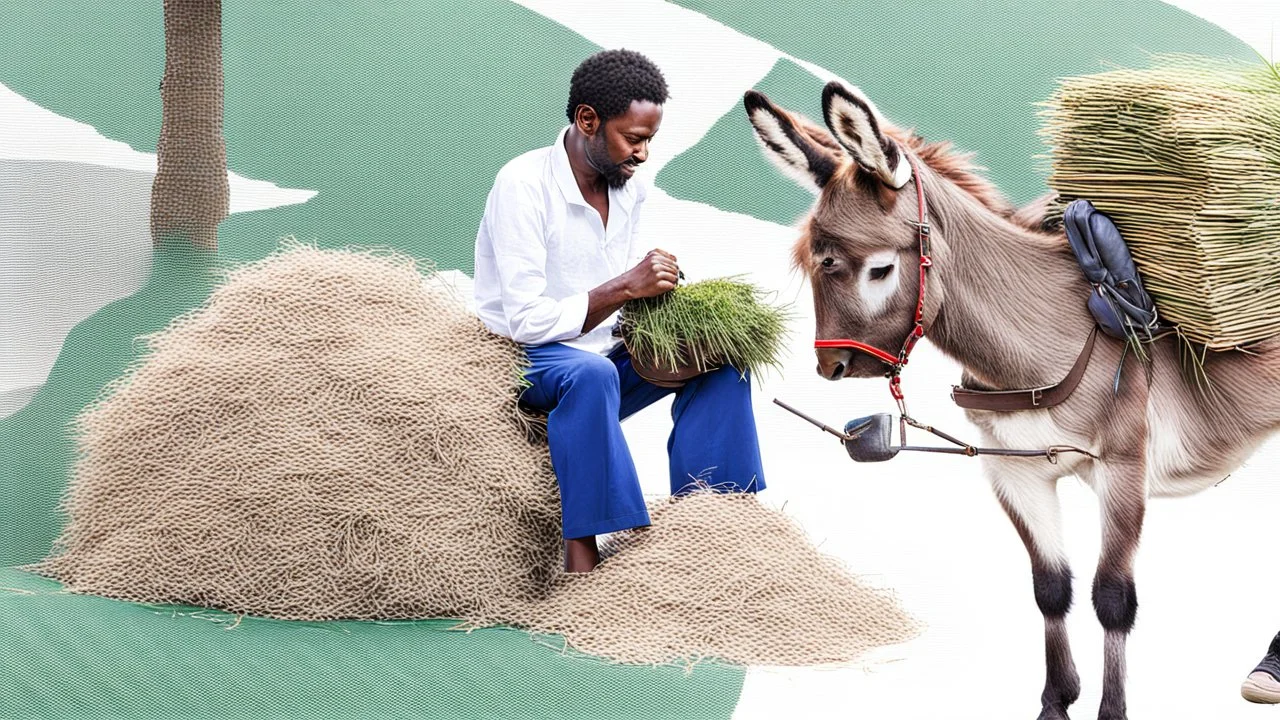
(896, 362)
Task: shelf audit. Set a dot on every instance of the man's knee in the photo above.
(590, 373)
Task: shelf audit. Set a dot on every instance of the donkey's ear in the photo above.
(856, 123)
(801, 149)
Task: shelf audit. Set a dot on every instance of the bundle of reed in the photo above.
(1185, 159)
(704, 324)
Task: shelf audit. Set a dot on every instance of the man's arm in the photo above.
(654, 275)
(515, 213)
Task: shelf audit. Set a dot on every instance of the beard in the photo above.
(598, 156)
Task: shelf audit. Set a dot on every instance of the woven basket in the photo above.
(665, 376)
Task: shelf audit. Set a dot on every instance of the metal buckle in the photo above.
(1035, 397)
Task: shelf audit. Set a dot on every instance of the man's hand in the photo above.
(656, 274)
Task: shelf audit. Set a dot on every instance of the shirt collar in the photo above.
(563, 173)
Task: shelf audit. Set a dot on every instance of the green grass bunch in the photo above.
(1185, 158)
(705, 324)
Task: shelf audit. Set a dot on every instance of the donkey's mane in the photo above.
(941, 157)
(956, 166)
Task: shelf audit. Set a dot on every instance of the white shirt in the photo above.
(541, 247)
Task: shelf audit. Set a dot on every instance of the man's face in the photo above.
(623, 142)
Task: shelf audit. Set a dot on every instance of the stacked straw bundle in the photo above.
(706, 323)
(1185, 158)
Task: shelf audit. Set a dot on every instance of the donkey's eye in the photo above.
(880, 273)
(828, 262)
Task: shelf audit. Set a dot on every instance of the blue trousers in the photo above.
(587, 395)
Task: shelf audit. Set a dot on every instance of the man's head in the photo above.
(615, 100)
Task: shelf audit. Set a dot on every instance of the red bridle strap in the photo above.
(917, 331)
(868, 349)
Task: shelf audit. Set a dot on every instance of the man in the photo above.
(555, 260)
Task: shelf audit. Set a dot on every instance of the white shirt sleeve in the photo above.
(517, 217)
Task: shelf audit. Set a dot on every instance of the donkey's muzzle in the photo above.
(833, 362)
(870, 439)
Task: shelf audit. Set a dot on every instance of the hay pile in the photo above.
(720, 576)
(304, 447)
(1185, 158)
(329, 437)
(705, 324)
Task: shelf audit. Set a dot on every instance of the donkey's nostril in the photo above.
(838, 372)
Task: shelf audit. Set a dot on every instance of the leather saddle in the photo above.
(1118, 302)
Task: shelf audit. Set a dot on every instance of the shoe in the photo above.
(1263, 684)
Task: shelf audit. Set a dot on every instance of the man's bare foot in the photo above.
(580, 554)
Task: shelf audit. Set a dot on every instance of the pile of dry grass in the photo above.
(720, 576)
(1185, 158)
(304, 447)
(329, 437)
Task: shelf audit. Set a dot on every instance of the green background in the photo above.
(970, 72)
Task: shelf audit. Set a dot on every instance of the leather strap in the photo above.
(1032, 399)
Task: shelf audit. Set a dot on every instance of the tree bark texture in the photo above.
(191, 195)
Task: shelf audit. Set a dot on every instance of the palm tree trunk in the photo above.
(190, 195)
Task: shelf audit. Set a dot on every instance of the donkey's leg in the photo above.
(1030, 498)
(1121, 491)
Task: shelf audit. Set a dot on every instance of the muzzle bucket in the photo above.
(870, 438)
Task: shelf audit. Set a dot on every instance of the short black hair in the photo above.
(611, 80)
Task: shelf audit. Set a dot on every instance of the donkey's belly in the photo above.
(1164, 483)
(1032, 430)
(1184, 458)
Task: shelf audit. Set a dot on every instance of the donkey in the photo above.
(1006, 299)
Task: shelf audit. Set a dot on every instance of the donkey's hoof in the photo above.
(1053, 713)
